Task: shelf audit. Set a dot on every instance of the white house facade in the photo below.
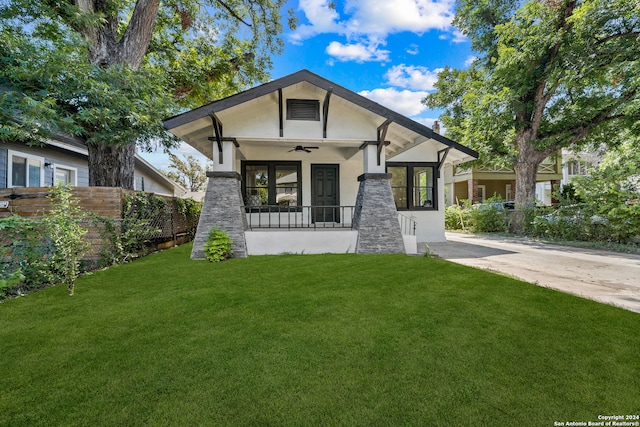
(302, 164)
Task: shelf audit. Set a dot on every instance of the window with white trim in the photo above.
(25, 170)
(577, 167)
(65, 175)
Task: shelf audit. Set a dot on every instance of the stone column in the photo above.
(376, 216)
(222, 208)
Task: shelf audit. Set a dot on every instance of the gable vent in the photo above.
(303, 109)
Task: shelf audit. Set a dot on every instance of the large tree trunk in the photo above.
(104, 47)
(112, 165)
(526, 169)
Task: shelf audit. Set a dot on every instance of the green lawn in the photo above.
(312, 340)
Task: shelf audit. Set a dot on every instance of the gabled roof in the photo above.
(322, 83)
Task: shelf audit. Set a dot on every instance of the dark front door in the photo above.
(324, 193)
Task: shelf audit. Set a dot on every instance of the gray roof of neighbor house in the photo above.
(174, 122)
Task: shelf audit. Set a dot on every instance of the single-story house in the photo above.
(303, 165)
(64, 159)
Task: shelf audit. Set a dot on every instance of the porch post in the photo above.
(224, 156)
(376, 216)
(223, 203)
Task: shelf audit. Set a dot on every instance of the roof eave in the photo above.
(337, 90)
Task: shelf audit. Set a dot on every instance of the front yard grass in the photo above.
(312, 340)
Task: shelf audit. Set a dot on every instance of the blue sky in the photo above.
(389, 51)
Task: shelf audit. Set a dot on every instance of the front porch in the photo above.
(274, 230)
(300, 165)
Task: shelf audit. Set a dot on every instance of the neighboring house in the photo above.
(578, 164)
(301, 164)
(480, 183)
(64, 159)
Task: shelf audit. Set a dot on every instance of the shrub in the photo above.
(67, 236)
(457, 217)
(37, 253)
(489, 216)
(9, 281)
(25, 251)
(141, 213)
(218, 246)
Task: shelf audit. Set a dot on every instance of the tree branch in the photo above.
(137, 37)
(617, 36)
(541, 98)
(583, 129)
(234, 14)
(63, 11)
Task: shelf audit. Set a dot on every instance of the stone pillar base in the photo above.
(376, 216)
(222, 208)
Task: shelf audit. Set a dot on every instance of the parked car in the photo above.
(495, 205)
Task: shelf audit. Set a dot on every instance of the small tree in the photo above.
(188, 172)
(67, 235)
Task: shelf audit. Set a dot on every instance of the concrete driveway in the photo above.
(602, 276)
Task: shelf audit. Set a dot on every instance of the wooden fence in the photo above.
(105, 202)
(33, 202)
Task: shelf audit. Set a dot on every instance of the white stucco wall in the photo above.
(273, 242)
(429, 224)
(260, 119)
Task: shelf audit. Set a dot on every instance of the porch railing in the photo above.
(407, 225)
(292, 217)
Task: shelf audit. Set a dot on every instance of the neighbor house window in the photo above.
(577, 167)
(25, 170)
(303, 109)
(64, 175)
(271, 183)
(413, 185)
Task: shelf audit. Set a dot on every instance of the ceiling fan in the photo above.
(303, 148)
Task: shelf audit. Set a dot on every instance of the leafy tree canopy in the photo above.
(188, 172)
(550, 74)
(108, 71)
(561, 72)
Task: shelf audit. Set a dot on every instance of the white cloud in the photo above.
(321, 17)
(406, 102)
(455, 36)
(358, 52)
(393, 16)
(374, 18)
(458, 37)
(413, 49)
(470, 60)
(412, 77)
